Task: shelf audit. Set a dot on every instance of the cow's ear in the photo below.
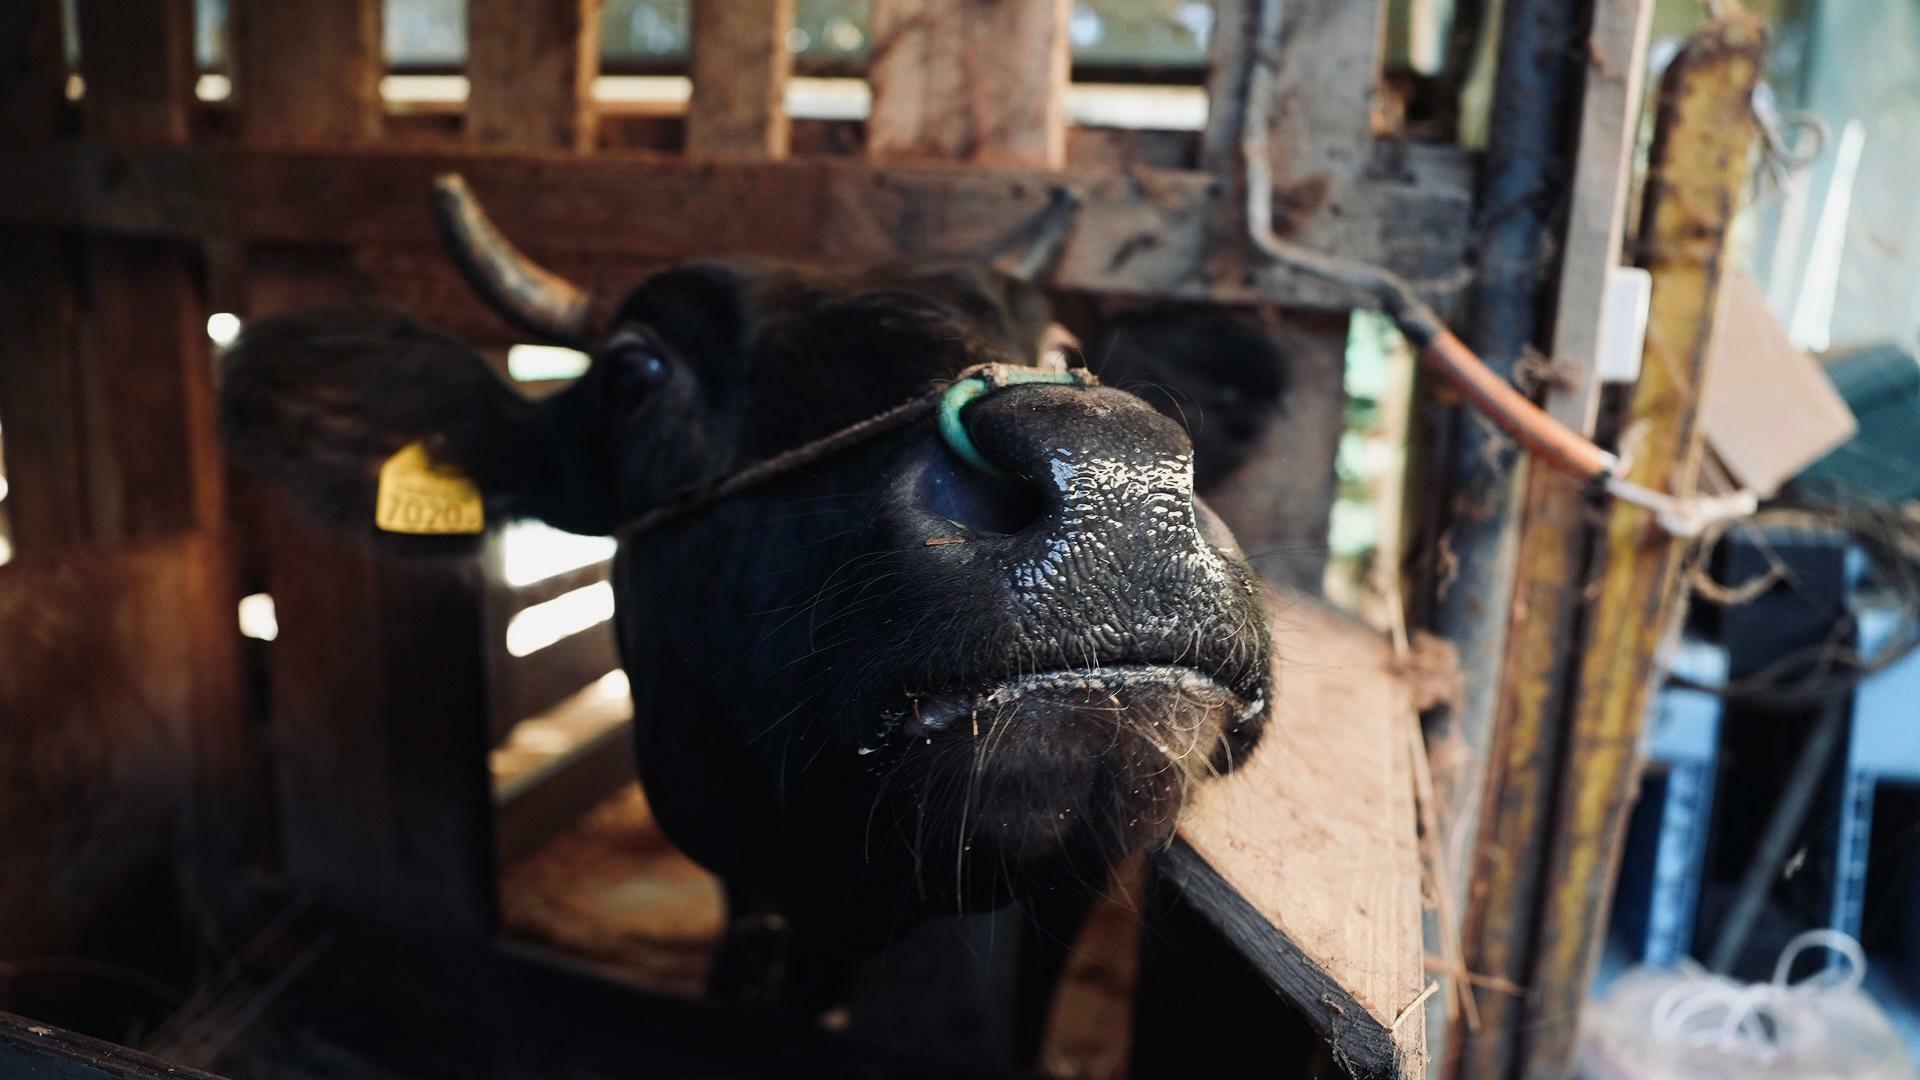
(379, 424)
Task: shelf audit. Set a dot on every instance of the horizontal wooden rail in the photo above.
(1142, 231)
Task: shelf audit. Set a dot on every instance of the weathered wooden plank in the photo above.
(307, 72)
(1143, 232)
(151, 462)
(740, 67)
(33, 65)
(1597, 203)
(40, 393)
(32, 1049)
(1306, 857)
(1327, 74)
(970, 80)
(379, 703)
(137, 58)
(117, 696)
(1699, 171)
(1282, 525)
(379, 714)
(530, 71)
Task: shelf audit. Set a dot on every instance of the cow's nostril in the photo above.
(980, 502)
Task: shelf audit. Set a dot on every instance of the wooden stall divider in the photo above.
(378, 679)
(740, 63)
(122, 680)
(970, 81)
(530, 72)
(307, 73)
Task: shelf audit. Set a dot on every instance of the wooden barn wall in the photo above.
(124, 756)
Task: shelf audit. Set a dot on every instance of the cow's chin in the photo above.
(1048, 778)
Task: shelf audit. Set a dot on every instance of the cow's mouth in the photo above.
(938, 714)
(1041, 769)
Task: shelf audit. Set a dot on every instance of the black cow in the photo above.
(880, 687)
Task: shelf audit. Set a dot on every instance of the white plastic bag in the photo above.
(1689, 1024)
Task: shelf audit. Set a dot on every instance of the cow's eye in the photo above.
(639, 365)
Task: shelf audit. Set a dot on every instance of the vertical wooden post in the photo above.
(970, 80)
(307, 72)
(741, 62)
(32, 71)
(39, 361)
(1699, 170)
(530, 72)
(378, 709)
(1324, 88)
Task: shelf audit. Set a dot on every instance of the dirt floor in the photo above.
(613, 890)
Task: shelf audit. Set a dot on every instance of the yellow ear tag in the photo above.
(424, 499)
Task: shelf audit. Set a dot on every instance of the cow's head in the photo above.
(886, 676)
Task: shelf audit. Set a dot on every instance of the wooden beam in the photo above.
(530, 71)
(1597, 202)
(1306, 856)
(1699, 171)
(1143, 232)
(307, 73)
(969, 80)
(741, 62)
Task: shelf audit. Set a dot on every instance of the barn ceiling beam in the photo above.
(1144, 231)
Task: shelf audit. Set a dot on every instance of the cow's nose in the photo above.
(1069, 464)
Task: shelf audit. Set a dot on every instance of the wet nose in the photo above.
(1086, 469)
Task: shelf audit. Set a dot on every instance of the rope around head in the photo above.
(948, 401)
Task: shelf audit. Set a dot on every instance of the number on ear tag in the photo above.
(421, 498)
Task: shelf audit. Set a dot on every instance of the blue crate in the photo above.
(1662, 872)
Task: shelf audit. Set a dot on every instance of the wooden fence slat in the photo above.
(137, 59)
(379, 721)
(1326, 77)
(530, 72)
(33, 71)
(740, 67)
(40, 393)
(1597, 202)
(145, 382)
(969, 80)
(307, 72)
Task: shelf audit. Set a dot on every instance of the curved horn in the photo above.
(526, 295)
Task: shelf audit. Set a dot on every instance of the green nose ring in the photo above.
(978, 384)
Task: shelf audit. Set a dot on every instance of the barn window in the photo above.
(560, 618)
